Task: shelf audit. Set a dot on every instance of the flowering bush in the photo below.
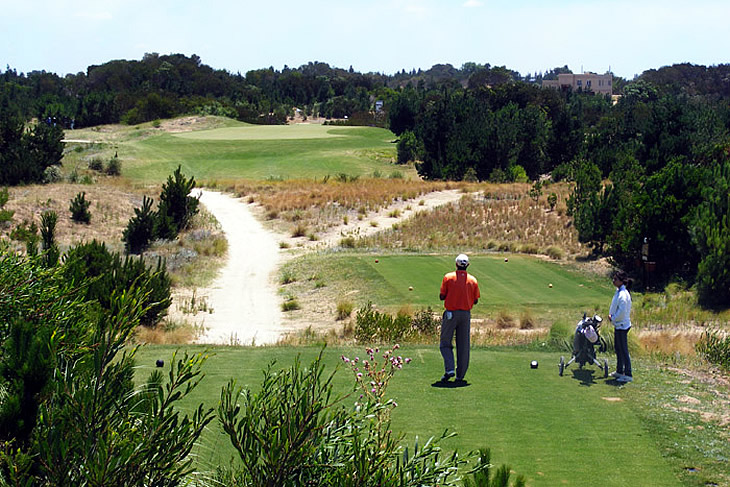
(373, 377)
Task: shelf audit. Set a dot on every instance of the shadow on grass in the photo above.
(585, 376)
(450, 384)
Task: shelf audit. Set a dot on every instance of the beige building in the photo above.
(597, 83)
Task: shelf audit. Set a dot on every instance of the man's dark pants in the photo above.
(459, 323)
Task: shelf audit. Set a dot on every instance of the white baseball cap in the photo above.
(462, 260)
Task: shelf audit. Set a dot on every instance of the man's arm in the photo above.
(442, 297)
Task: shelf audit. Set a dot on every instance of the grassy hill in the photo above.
(225, 149)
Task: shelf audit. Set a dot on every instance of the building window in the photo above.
(579, 82)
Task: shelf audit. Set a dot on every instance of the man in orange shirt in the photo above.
(459, 292)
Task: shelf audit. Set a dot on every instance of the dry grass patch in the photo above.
(112, 205)
(670, 341)
(322, 204)
(502, 218)
(167, 333)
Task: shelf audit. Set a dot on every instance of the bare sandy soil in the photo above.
(244, 304)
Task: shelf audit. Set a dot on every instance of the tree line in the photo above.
(646, 167)
(650, 169)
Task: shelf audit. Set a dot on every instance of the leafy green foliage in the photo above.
(408, 147)
(79, 209)
(177, 207)
(714, 346)
(27, 233)
(26, 154)
(69, 410)
(372, 325)
(295, 432)
(5, 215)
(712, 235)
(140, 229)
(114, 166)
(48, 237)
(483, 478)
(104, 274)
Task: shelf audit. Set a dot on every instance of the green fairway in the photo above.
(261, 152)
(571, 430)
(520, 284)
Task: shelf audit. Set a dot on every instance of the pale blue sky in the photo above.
(629, 36)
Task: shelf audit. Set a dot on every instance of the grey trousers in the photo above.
(459, 323)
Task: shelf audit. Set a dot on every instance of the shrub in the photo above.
(96, 164)
(52, 174)
(714, 346)
(105, 274)
(140, 229)
(560, 336)
(552, 200)
(562, 172)
(555, 252)
(70, 371)
(299, 231)
(114, 166)
(470, 175)
(518, 174)
(348, 242)
(505, 320)
(79, 209)
(177, 207)
(287, 277)
(527, 321)
(371, 325)
(48, 237)
(5, 215)
(425, 322)
(344, 310)
(27, 233)
(324, 444)
(290, 304)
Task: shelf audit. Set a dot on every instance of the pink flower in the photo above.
(396, 347)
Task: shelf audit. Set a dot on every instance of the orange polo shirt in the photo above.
(461, 290)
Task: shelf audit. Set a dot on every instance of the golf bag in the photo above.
(585, 340)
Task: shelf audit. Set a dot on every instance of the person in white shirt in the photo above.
(619, 314)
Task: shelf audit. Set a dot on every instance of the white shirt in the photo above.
(620, 311)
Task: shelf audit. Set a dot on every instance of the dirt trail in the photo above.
(244, 299)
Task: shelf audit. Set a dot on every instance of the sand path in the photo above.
(244, 298)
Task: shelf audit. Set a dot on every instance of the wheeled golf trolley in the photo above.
(585, 340)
